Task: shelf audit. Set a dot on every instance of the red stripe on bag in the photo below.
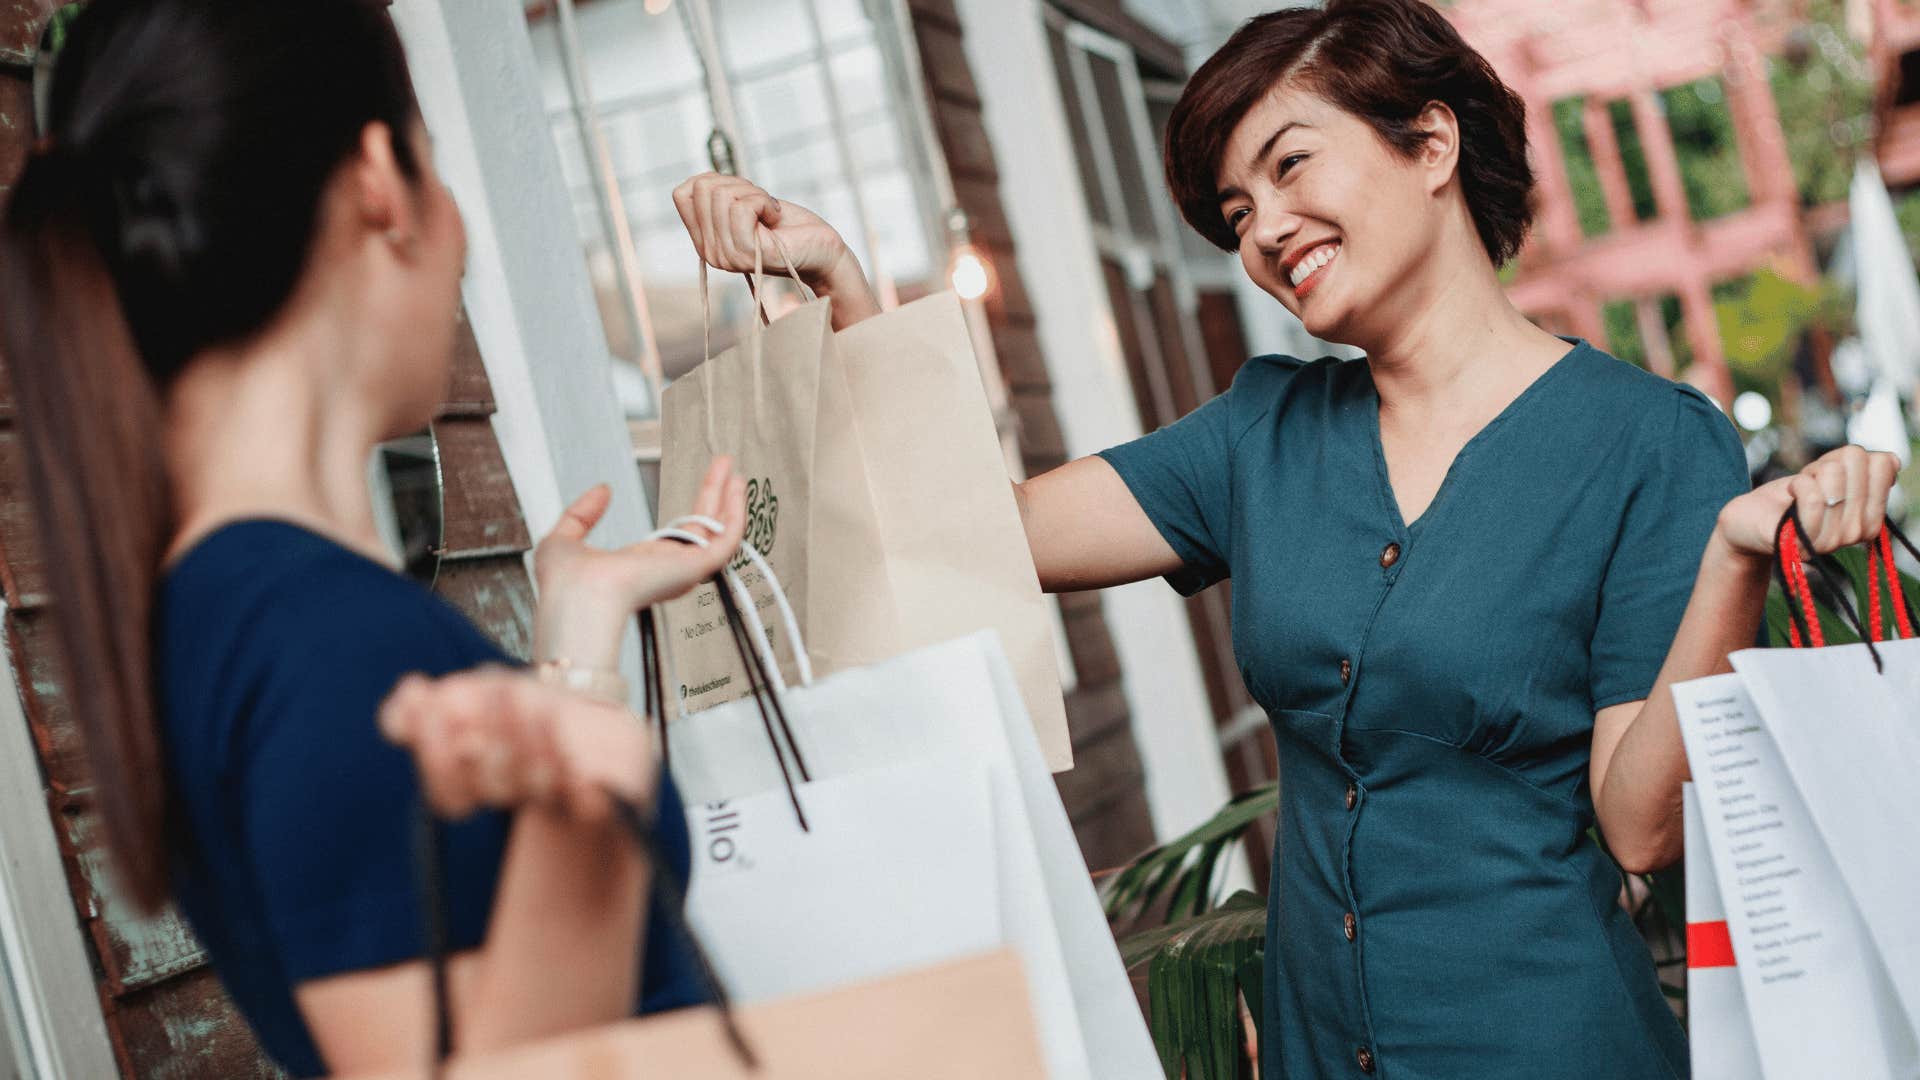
(1709, 945)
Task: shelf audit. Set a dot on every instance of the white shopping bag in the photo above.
(895, 872)
(1719, 1030)
(1849, 732)
(955, 702)
(1818, 992)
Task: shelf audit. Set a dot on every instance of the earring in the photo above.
(400, 241)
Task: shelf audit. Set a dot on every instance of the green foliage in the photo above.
(58, 25)
(1823, 90)
(1761, 318)
(1582, 176)
(1672, 316)
(1623, 331)
(1207, 958)
(1185, 867)
(1906, 210)
(1707, 148)
(1633, 160)
(1198, 970)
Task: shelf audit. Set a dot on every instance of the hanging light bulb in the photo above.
(968, 270)
(970, 275)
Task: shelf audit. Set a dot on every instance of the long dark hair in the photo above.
(169, 207)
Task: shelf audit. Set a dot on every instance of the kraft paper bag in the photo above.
(955, 548)
(963, 1020)
(778, 404)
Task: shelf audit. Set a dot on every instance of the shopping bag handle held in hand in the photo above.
(1794, 551)
(756, 283)
(750, 640)
(668, 896)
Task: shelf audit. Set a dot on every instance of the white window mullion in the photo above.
(52, 1028)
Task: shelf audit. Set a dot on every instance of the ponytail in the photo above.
(89, 418)
(174, 211)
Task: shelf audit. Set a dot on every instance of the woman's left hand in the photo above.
(494, 737)
(1842, 499)
(588, 594)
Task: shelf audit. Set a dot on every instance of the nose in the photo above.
(1273, 226)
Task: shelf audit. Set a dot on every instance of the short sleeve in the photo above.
(1695, 466)
(329, 807)
(1182, 474)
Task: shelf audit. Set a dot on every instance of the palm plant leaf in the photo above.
(1186, 865)
(1198, 970)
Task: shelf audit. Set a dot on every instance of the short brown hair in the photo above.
(1384, 61)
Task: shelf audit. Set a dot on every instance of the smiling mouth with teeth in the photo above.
(1307, 272)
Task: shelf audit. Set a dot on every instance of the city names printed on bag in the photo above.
(1735, 787)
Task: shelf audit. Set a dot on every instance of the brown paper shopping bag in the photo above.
(964, 1020)
(778, 404)
(955, 548)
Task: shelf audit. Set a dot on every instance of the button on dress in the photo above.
(1439, 908)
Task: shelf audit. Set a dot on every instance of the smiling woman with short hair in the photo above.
(1466, 569)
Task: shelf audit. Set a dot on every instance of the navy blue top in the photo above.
(1438, 906)
(274, 647)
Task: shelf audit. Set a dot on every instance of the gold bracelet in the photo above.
(605, 684)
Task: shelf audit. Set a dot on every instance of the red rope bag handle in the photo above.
(1794, 552)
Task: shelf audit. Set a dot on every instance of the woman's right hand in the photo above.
(495, 737)
(728, 218)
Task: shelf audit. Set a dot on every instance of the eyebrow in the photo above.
(1266, 151)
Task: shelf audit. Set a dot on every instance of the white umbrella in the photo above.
(1879, 426)
(1889, 293)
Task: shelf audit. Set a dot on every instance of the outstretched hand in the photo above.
(588, 594)
(733, 222)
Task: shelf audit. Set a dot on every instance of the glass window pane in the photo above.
(1076, 123)
(1708, 148)
(1135, 189)
(651, 94)
(1194, 248)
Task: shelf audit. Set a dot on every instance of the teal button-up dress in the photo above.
(1438, 909)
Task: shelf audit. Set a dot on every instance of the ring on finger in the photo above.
(1836, 500)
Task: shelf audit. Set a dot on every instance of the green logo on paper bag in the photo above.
(763, 513)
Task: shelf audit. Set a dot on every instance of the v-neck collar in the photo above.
(1408, 530)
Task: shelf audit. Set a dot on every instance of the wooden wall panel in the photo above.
(135, 951)
(480, 515)
(468, 391)
(175, 1032)
(496, 594)
(43, 698)
(21, 572)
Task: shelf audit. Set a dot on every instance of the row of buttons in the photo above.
(1349, 923)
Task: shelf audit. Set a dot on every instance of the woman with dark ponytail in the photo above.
(229, 271)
